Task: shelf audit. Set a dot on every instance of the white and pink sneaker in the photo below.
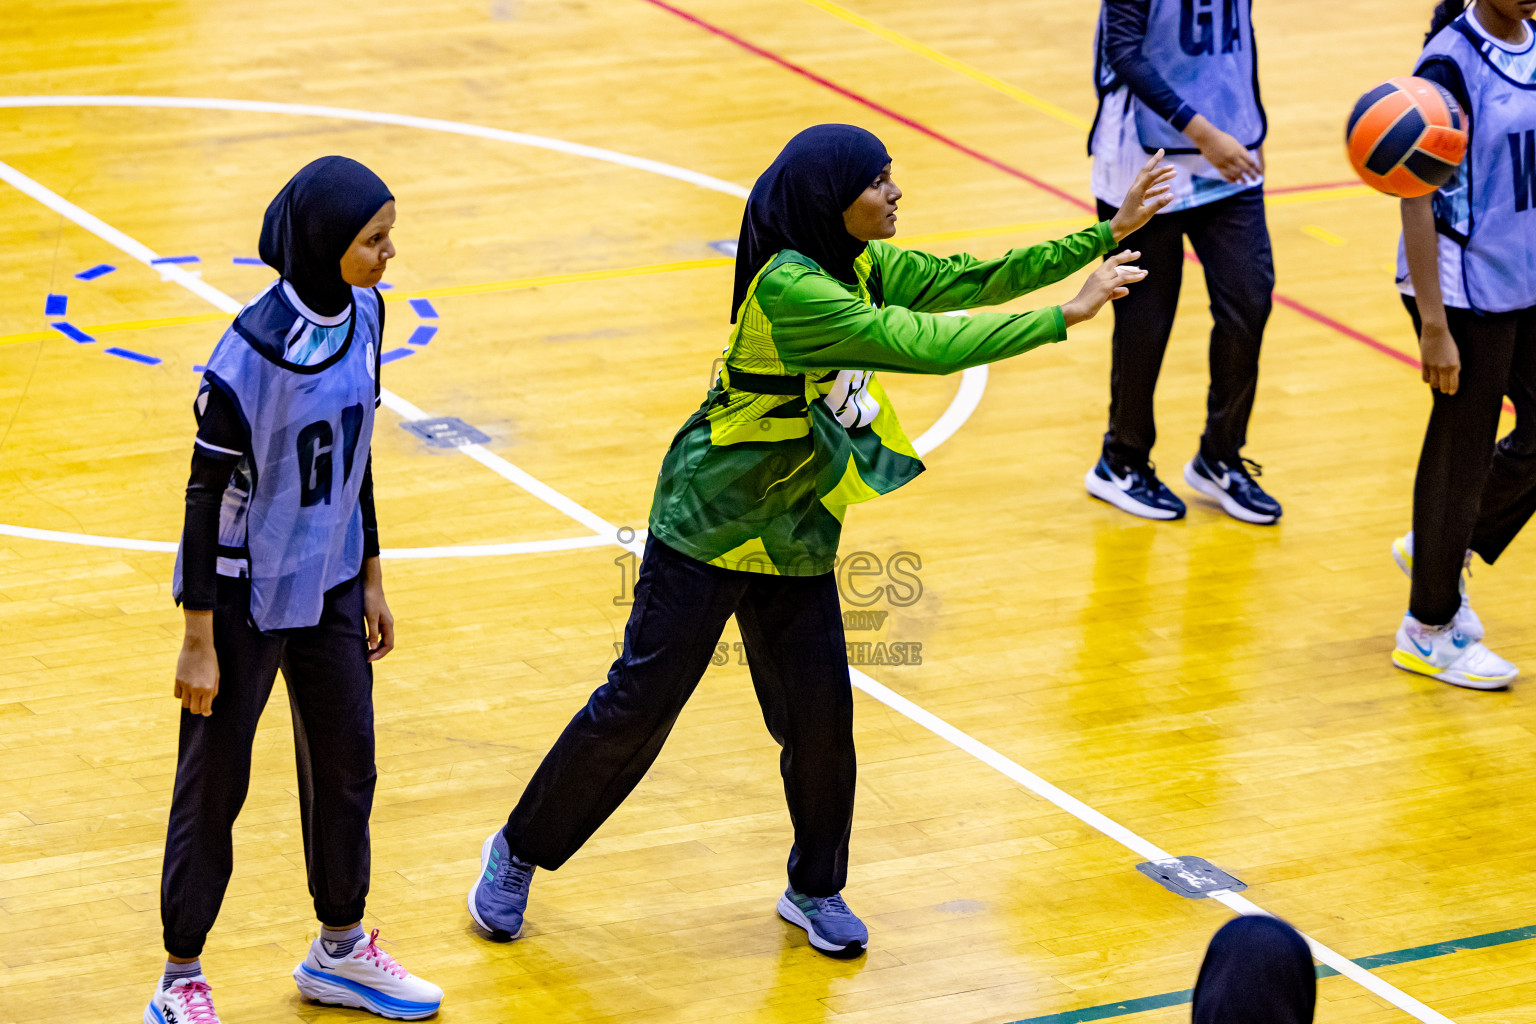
(187, 1001)
(369, 979)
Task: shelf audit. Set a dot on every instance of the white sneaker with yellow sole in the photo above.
(1449, 655)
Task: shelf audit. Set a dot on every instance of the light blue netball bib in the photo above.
(1204, 50)
(293, 508)
(1489, 207)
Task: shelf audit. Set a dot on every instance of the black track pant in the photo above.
(1232, 241)
(1471, 492)
(793, 630)
(330, 692)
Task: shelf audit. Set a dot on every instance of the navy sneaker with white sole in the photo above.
(499, 897)
(1133, 489)
(1232, 484)
(833, 929)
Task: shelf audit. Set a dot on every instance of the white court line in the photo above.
(377, 117)
(525, 547)
(1125, 837)
(901, 705)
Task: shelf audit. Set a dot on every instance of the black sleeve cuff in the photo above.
(370, 516)
(200, 531)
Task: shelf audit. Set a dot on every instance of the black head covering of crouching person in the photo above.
(311, 223)
(1258, 970)
(798, 203)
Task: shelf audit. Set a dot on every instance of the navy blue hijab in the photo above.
(312, 222)
(1257, 971)
(798, 203)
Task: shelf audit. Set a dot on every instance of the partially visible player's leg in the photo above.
(1232, 240)
(213, 774)
(1509, 494)
(1123, 475)
(330, 692)
(681, 606)
(1465, 619)
(793, 630)
(1453, 467)
(1453, 464)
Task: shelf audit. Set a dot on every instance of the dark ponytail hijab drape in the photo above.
(1258, 970)
(312, 222)
(798, 203)
(1445, 13)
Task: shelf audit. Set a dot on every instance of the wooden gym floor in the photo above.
(1217, 689)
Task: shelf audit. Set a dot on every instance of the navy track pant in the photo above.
(330, 693)
(793, 630)
(1231, 239)
(1472, 489)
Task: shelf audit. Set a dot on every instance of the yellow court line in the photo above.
(538, 282)
(975, 74)
(1044, 106)
(517, 284)
(1322, 234)
(550, 279)
(1001, 229)
(126, 325)
(424, 293)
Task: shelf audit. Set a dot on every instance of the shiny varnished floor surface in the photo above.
(1222, 690)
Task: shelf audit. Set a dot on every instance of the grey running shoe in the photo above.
(499, 896)
(833, 929)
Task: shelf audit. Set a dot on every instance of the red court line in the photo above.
(1319, 187)
(1346, 330)
(1062, 194)
(878, 108)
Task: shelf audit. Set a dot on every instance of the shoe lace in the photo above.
(834, 905)
(197, 1000)
(515, 876)
(1146, 471)
(381, 959)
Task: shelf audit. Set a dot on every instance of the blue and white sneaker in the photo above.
(1466, 619)
(1231, 483)
(832, 928)
(366, 979)
(1136, 490)
(1449, 655)
(499, 896)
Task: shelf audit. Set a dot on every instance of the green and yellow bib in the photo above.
(760, 477)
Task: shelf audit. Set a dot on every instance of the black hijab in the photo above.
(1257, 971)
(312, 222)
(798, 203)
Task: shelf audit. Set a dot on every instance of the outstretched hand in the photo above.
(1150, 193)
(1103, 285)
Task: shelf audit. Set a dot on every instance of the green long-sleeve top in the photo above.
(797, 427)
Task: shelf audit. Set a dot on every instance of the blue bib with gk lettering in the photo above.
(1489, 207)
(307, 391)
(1204, 50)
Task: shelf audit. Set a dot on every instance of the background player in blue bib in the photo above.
(279, 569)
(1182, 76)
(1467, 270)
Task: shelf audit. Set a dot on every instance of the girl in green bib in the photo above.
(753, 492)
